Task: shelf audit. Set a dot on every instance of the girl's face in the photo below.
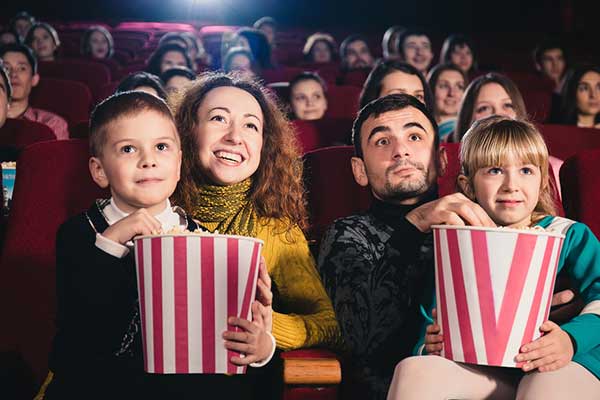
(229, 134)
(98, 45)
(43, 45)
(321, 52)
(449, 90)
(588, 94)
(308, 100)
(493, 100)
(172, 59)
(462, 57)
(508, 192)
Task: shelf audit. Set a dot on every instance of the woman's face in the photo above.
(43, 45)
(493, 100)
(240, 62)
(462, 57)
(176, 83)
(588, 94)
(401, 82)
(448, 91)
(308, 100)
(321, 52)
(98, 45)
(172, 59)
(229, 135)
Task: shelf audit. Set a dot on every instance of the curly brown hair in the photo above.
(277, 189)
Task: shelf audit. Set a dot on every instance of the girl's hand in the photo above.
(552, 351)
(253, 342)
(434, 340)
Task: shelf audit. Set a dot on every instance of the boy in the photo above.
(135, 151)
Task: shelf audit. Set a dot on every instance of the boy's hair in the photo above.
(26, 51)
(119, 106)
(488, 142)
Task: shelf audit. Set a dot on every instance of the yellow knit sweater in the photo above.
(303, 315)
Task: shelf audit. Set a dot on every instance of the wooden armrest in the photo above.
(311, 367)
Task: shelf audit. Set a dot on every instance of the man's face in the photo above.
(399, 159)
(417, 52)
(358, 55)
(21, 75)
(553, 64)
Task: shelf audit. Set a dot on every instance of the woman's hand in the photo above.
(253, 341)
(264, 295)
(552, 351)
(434, 340)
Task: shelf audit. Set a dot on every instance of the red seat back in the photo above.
(53, 183)
(69, 99)
(565, 141)
(20, 133)
(342, 101)
(354, 77)
(93, 74)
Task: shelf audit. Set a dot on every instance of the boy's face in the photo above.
(508, 193)
(21, 74)
(140, 161)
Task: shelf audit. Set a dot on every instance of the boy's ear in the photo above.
(465, 186)
(97, 172)
(359, 172)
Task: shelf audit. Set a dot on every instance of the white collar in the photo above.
(168, 217)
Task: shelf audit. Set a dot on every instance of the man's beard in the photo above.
(408, 188)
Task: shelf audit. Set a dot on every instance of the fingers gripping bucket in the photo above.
(494, 289)
(188, 285)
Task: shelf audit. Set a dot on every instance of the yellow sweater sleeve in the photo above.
(303, 315)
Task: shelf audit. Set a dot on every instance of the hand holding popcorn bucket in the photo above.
(494, 288)
(188, 285)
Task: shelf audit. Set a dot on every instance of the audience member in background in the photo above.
(389, 44)
(173, 37)
(320, 48)
(43, 40)
(97, 42)
(168, 56)
(22, 67)
(8, 36)
(581, 97)
(355, 53)
(5, 93)
(458, 50)
(239, 59)
(187, 40)
(415, 49)
(392, 77)
(21, 23)
(550, 58)
(143, 82)
(268, 26)
(196, 50)
(448, 83)
(177, 78)
(307, 96)
(257, 43)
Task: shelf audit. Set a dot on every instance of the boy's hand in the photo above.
(136, 223)
(264, 294)
(253, 341)
(434, 340)
(552, 351)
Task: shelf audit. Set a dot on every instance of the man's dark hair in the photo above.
(21, 48)
(550, 43)
(121, 105)
(409, 32)
(451, 43)
(385, 104)
(21, 15)
(372, 86)
(7, 85)
(138, 79)
(348, 41)
(177, 71)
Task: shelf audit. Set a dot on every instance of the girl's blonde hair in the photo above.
(488, 142)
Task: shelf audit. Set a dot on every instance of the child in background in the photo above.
(97, 352)
(505, 170)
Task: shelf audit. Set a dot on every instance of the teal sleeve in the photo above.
(581, 258)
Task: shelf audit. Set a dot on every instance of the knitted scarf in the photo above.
(227, 205)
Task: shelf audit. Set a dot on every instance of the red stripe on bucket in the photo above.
(208, 304)
(181, 305)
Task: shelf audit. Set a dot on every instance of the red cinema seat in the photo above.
(106, 91)
(579, 178)
(354, 77)
(53, 184)
(70, 99)
(93, 74)
(307, 135)
(19, 133)
(281, 74)
(342, 101)
(565, 141)
(538, 103)
(324, 132)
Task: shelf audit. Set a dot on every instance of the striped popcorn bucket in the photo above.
(188, 285)
(494, 289)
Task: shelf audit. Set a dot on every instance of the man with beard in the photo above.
(355, 53)
(378, 266)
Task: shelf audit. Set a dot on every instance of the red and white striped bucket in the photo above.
(188, 285)
(494, 289)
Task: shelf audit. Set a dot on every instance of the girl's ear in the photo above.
(464, 185)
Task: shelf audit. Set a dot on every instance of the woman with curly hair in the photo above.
(242, 174)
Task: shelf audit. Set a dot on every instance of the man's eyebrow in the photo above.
(414, 125)
(377, 129)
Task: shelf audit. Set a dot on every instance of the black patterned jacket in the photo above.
(378, 269)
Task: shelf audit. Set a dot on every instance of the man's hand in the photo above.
(454, 209)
